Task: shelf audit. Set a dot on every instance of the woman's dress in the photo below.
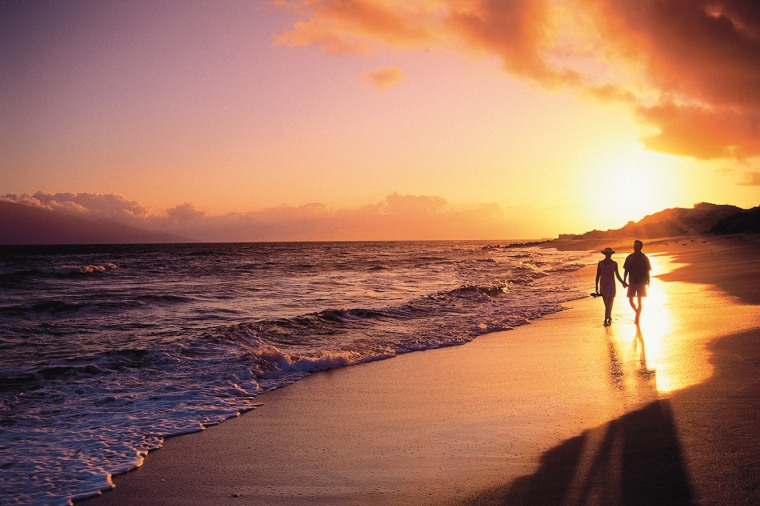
(607, 278)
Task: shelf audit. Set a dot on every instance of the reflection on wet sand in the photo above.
(630, 373)
(636, 458)
(686, 382)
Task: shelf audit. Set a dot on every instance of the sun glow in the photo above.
(631, 182)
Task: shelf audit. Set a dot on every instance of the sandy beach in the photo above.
(561, 411)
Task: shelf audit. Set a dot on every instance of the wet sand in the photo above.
(562, 411)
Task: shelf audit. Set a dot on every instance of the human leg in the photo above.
(638, 310)
(608, 309)
(636, 292)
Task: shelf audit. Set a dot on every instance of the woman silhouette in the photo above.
(606, 272)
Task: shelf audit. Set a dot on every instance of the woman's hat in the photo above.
(607, 251)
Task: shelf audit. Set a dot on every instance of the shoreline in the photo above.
(488, 420)
(696, 444)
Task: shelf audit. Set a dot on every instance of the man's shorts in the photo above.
(637, 290)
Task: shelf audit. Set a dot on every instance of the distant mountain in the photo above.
(703, 218)
(21, 224)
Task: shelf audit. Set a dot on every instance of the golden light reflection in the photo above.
(662, 354)
(651, 337)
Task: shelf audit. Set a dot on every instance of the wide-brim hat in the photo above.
(608, 251)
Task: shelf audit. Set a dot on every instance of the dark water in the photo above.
(106, 350)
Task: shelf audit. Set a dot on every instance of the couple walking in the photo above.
(635, 277)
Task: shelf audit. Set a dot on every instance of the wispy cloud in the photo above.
(751, 179)
(690, 68)
(382, 79)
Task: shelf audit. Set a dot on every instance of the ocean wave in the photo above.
(272, 366)
(48, 306)
(281, 351)
(76, 270)
(164, 298)
(98, 364)
(569, 267)
(478, 292)
(102, 372)
(57, 307)
(60, 271)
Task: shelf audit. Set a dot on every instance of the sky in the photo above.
(379, 119)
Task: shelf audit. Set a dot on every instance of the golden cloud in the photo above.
(685, 65)
(397, 217)
(703, 132)
(384, 78)
(751, 179)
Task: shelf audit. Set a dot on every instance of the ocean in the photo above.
(107, 350)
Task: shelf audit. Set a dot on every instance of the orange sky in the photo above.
(370, 119)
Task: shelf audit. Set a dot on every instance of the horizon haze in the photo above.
(22, 225)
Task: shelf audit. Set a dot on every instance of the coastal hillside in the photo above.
(703, 218)
(26, 225)
(741, 223)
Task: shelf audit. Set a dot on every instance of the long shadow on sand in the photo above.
(638, 459)
(633, 460)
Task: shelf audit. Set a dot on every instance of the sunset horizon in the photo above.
(379, 252)
(397, 218)
(525, 119)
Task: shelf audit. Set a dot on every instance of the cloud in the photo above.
(702, 132)
(696, 59)
(384, 78)
(751, 179)
(92, 205)
(397, 217)
(514, 29)
(184, 213)
(359, 26)
(703, 60)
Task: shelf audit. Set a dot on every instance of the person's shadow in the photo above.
(633, 460)
(639, 345)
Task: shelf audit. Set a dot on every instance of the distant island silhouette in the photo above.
(27, 225)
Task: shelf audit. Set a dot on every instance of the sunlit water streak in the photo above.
(106, 350)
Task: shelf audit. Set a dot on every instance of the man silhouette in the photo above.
(636, 266)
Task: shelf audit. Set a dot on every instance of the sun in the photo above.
(631, 182)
